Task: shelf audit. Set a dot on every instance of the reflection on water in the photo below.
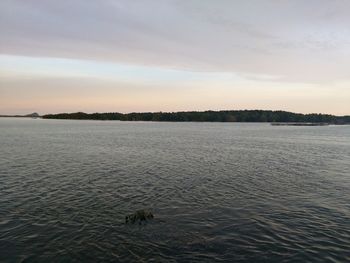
(218, 191)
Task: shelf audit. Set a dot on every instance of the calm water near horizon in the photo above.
(220, 192)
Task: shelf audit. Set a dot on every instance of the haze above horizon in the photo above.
(163, 55)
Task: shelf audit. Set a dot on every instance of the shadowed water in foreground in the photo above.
(219, 192)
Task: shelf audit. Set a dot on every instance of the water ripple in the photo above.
(219, 192)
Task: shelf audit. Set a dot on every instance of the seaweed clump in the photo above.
(139, 216)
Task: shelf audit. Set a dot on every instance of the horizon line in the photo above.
(179, 111)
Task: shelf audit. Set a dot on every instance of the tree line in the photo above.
(207, 116)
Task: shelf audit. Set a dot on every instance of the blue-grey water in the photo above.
(220, 192)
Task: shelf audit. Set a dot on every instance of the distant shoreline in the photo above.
(32, 115)
(274, 117)
(300, 124)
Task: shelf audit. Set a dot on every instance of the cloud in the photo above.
(298, 41)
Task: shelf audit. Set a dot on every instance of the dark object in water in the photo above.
(139, 216)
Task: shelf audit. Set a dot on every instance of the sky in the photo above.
(174, 55)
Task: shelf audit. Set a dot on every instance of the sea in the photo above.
(219, 192)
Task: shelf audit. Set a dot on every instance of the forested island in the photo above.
(208, 116)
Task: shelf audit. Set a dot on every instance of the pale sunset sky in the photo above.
(174, 55)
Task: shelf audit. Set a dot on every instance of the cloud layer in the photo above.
(296, 40)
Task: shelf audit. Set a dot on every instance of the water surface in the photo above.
(220, 192)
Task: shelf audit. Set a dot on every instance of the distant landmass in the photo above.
(31, 115)
(209, 116)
